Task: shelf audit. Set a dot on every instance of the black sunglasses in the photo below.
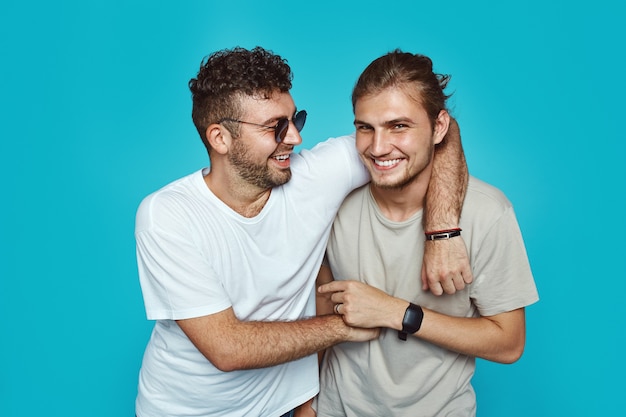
(281, 127)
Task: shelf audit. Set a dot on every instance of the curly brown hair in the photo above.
(228, 75)
(403, 69)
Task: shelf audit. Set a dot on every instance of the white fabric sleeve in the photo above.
(176, 280)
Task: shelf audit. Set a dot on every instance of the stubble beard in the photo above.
(409, 176)
(399, 184)
(259, 175)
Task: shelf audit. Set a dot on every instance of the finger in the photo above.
(424, 278)
(448, 286)
(338, 297)
(436, 288)
(333, 286)
(459, 283)
(323, 289)
(468, 277)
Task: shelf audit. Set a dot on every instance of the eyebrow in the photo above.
(404, 120)
(388, 123)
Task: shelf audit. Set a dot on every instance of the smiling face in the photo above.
(395, 137)
(254, 155)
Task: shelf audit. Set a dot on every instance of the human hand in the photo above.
(446, 266)
(361, 334)
(364, 306)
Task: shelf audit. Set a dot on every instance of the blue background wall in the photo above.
(96, 115)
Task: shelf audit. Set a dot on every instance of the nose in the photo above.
(292, 136)
(378, 146)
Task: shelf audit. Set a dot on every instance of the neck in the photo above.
(245, 199)
(400, 204)
(395, 205)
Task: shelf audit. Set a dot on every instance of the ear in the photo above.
(218, 137)
(442, 123)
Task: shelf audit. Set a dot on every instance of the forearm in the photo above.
(446, 265)
(499, 339)
(448, 183)
(230, 344)
(249, 345)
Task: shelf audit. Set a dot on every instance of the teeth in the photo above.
(387, 163)
(281, 157)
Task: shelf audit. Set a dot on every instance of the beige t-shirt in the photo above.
(391, 377)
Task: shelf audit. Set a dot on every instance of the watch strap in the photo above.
(412, 320)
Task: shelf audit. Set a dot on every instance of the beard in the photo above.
(409, 176)
(398, 184)
(259, 175)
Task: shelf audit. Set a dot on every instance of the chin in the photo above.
(391, 183)
(283, 178)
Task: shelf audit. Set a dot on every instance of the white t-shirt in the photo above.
(413, 378)
(196, 257)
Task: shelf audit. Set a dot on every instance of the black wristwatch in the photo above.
(412, 320)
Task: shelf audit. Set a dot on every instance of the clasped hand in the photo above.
(362, 305)
(446, 267)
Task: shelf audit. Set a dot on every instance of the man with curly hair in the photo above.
(228, 256)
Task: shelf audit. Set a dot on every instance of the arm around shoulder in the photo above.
(446, 267)
(448, 184)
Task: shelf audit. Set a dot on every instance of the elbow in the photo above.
(512, 339)
(225, 365)
(230, 365)
(510, 355)
(510, 358)
(226, 361)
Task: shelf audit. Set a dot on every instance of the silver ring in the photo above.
(337, 308)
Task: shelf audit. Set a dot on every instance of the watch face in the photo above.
(412, 318)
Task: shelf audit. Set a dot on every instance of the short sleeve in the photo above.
(503, 280)
(176, 279)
